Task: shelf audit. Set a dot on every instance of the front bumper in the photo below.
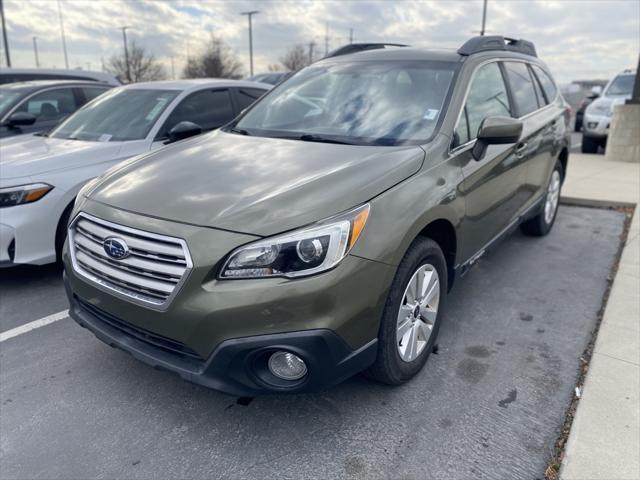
(28, 232)
(343, 305)
(596, 126)
(237, 366)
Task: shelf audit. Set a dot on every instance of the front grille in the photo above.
(152, 339)
(152, 272)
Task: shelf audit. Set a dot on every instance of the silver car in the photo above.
(597, 116)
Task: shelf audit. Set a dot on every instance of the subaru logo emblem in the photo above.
(116, 248)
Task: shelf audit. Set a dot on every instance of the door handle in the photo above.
(520, 148)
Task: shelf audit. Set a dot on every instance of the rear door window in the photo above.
(548, 85)
(522, 88)
(542, 101)
(50, 105)
(92, 92)
(246, 96)
(487, 98)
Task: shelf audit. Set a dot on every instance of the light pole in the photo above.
(64, 41)
(326, 40)
(484, 17)
(249, 15)
(4, 35)
(312, 45)
(126, 52)
(35, 51)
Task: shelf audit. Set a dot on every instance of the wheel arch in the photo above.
(443, 232)
(563, 158)
(61, 227)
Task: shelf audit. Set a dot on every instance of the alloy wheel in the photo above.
(418, 312)
(553, 197)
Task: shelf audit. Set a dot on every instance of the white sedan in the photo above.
(40, 175)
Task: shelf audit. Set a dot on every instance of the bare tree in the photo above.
(217, 61)
(295, 58)
(143, 66)
(275, 67)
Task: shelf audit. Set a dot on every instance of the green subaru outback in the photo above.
(318, 234)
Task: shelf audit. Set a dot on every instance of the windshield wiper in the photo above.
(308, 137)
(240, 131)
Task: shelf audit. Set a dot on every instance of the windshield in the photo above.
(364, 103)
(118, 115)
(7, 99)
(621, 85)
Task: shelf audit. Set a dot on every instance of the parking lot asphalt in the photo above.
(489, 404)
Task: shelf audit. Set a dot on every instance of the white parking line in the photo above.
(27, 327)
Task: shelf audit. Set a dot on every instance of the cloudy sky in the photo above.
(577, 38)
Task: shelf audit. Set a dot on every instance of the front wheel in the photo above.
(589, 145)
(411, 317)
(541, 224)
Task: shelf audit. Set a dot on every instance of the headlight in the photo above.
(307, 251)
(11, 196)
(599, 109)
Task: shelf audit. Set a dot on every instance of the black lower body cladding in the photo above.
(237, 366)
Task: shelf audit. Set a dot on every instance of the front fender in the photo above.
(400, 214)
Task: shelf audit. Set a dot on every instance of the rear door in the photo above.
(492, 185)
(554, 132)
(536, 141)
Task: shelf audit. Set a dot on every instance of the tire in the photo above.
(577, 127)
(589, 145)
(424, 257)
(61, 232)
(542, 223)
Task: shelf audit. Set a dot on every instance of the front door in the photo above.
(492, 186)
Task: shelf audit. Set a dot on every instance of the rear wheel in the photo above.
(541, 224)
(411, 317)
(589, 145)
(578, 124)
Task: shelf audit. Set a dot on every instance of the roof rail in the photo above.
(497, 42)
(361, 47)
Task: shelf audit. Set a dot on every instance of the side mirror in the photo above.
(184, 130)
(496, 131)
(596, 91)
(21, 119)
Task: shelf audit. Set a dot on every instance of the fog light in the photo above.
(287, 366)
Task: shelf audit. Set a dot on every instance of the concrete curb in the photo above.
(604, 441)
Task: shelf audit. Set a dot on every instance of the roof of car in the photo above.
(38, 84)
(195, 83)
(102, 77)
(402, 53)
(476, 47)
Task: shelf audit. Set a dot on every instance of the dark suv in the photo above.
(318, 234)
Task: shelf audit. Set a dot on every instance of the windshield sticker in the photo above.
(155, 111)
(105, 137)
(431, 114)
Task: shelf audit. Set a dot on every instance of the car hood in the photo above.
(606, 104)
(29, 155)
(254, 185)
